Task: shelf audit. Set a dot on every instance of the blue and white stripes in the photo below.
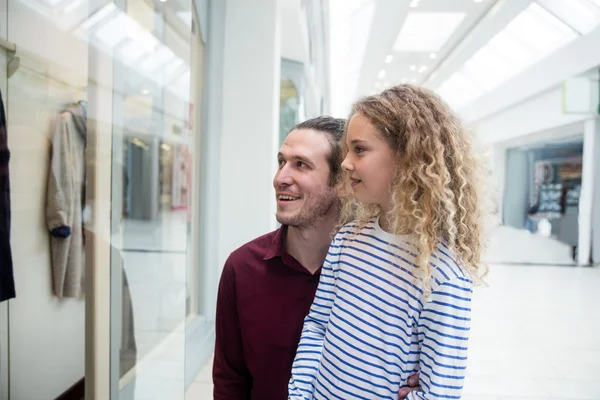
(370, 328)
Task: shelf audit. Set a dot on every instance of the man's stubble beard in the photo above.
(322, 208)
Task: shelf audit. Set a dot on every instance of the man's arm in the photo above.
(231, 378)
(443, 327)
(308, 356)
(413, 385)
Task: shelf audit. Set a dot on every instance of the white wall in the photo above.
(46, 334)
(519, 123)
(250, 115)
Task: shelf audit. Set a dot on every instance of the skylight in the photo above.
(581, 15)
(531, 36)
(427, 31)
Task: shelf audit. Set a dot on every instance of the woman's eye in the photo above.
(359, 149)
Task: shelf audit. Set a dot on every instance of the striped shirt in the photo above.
(370, 326)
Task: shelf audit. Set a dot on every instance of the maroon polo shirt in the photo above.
(264, 295)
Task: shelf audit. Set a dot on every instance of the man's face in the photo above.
(301, 183)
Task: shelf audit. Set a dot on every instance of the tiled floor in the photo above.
(535, 336)
(202, 387)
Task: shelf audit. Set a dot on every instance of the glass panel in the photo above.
(100, 95)
(3, 305)
(155, 138)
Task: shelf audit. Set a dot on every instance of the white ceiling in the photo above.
(390, 15)
(384, 19)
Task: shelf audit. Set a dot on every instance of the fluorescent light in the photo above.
(389, 59)
(414, 4)
(381, 74)
(427, 31)
(413, 67)
(422, 69)
(145, 91)
(433, 56)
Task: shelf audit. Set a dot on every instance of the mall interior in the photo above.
(168, 115)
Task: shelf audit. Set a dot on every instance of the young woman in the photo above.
(395, 291)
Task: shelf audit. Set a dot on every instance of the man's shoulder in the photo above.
(253, 250)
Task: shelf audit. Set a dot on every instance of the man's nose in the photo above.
(283, 177)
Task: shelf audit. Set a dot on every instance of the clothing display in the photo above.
(65, 200)
(7, 284)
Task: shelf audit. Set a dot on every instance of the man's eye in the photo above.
(300, 164)
(280, 162)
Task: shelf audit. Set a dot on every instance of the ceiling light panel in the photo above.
(427, 31)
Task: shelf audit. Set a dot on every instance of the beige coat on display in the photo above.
(64, 204)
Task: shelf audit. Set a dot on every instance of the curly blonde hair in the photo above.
(437, 189)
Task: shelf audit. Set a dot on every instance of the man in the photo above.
(268, 285)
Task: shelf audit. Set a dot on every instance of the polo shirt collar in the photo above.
(277, 249)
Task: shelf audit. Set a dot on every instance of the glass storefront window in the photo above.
(103, 109)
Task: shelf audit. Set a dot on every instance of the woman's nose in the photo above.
(347, 165)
